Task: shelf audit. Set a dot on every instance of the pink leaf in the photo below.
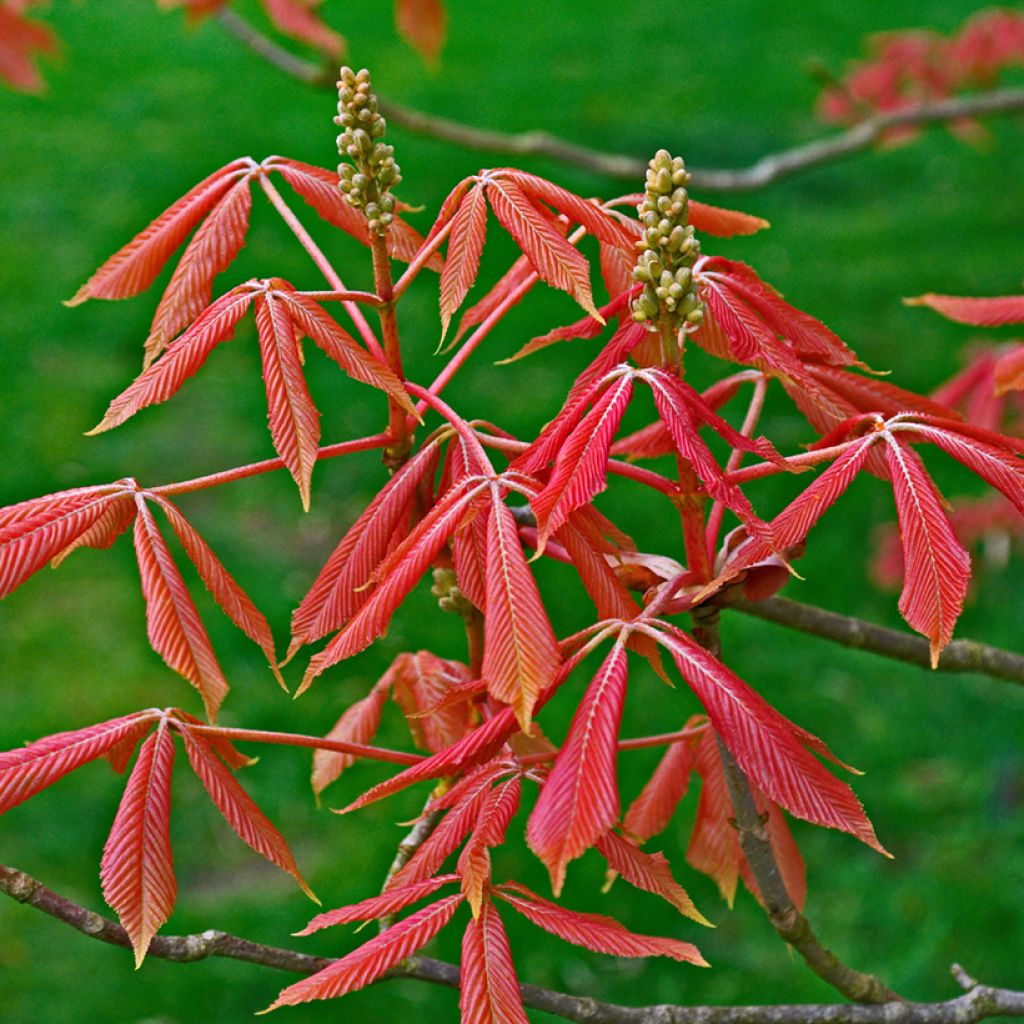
(488, 988)
(980, 312)
(465, 244)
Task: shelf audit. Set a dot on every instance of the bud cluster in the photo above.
(668, 248)
(367, 181)
(449, 597)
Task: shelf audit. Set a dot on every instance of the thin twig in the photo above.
(411, 842)
(765, 171)
(959, 656)
(981, 1002)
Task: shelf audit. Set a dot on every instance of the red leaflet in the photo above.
(341, 588)
(465, 244)
(294, 421)
(579, 800)
(594, 931)
(137, 869)
(234, 601)
(20, 41)
(1009, 371)
(358, 724)
(390, 902)
(581, 465)
(213, 247)
(238, 808)
(117, 517)
(551, 256)
(767, 746)
(936, 566)
(988, 312)
(474, 865)
(422, 23)
(172, 621)
(516, 281)
(371, 960)
(488, 986)
(34, 532)
(710, 220)
(648, 871)
(182, 359)
(617, 270)
(420, 683)
(28, 770)
(652, 810)
(521, 655)
(133, 269)
(295, 18)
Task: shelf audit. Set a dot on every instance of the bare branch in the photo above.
(959, 656)
(981, 1002)
(762, 172)
(411, 842)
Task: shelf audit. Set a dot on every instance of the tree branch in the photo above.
(959, 656)
(978, 1003)
(762, 172)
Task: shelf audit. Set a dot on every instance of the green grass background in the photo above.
(137, 110)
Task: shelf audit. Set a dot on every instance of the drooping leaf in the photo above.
(422, 24)
(465, 244)
(579, 800)
(652, 810)
(488, 987)
(594, 931)
(520, 650)
(21, 41)
(367, 963)
(979, 312)
(298, 19)
(28, 770)
(358, 724)
(250, 824)
(137, 869)
(172, 621)
(492, 823)
(420, 682)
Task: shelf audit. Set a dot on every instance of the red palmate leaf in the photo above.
(488, 987)
(213, 247)
(234, 601)
(341, 588)
(20, 41)
(367, 963)
(652, 810)
(137, 870)
(465, 244)
(36, 531)
(551, 256)
(358, 724)
(422, 23)
(238, 808)
(391, 902)
(294, 421)
(182, 359)
(133, 268)
(579, 800)
(27, 770)
(594, 931)
(581, 465)
(937, 569)
(297, 18)
(648, 871)
(980, 312)
(172, 622)
(767, 746)
(521, 655)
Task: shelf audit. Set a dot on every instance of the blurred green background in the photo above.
(138, 109)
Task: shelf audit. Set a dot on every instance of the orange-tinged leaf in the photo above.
(1009, 371)
(648, 871)
(137, 870)
(474, 864)
(116, 518)
(172, 622)
(133, 268)
(294, 421)
(936, 568)
(20, 41)
(234, 601)
(298, 19)
(213, 247)
(579, 800)
(420, 683)
(387, 903)
(465, 244)
(980, 312)
(239, 809)
(367, 963)
(722, 222)
(28, 770)
(556, 261)
(488, 987)
(594, 931)
(422, 23)
(521, 655)
(182, 359)
(358, 724)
